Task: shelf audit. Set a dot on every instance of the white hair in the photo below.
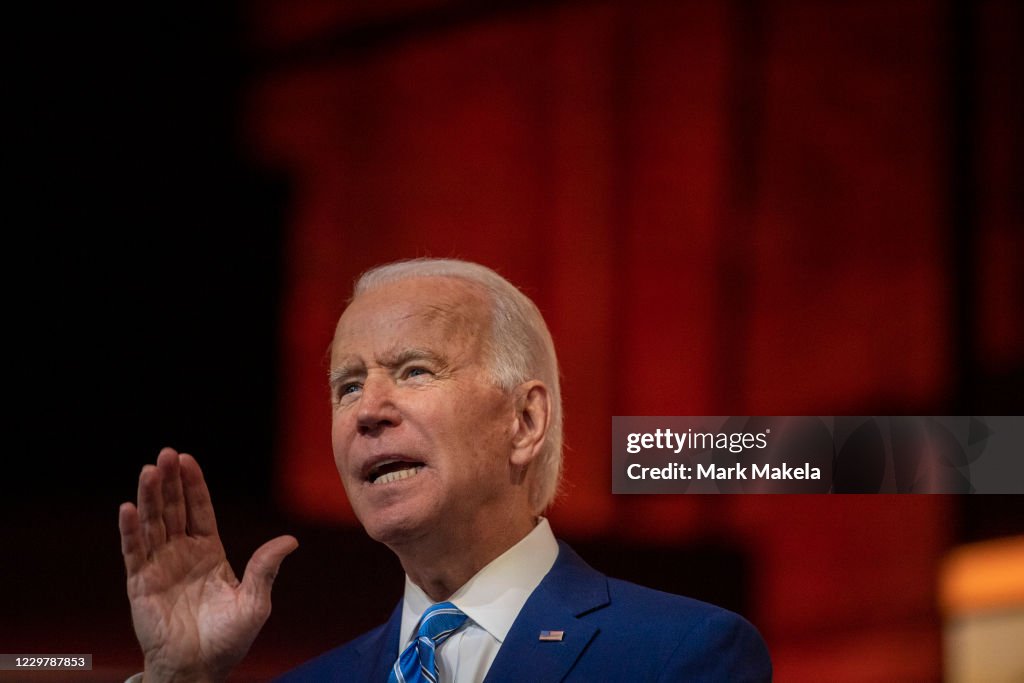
(520, 348)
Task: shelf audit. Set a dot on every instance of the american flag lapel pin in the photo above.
(552, 636)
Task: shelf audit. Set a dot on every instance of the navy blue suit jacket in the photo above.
(614, 631)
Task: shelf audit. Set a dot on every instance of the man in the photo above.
(446, 432)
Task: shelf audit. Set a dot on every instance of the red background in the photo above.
(721, 208)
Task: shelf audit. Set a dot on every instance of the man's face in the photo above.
(421, 434)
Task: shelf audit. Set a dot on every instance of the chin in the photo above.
(393, 526)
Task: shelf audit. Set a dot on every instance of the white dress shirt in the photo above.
(491, 599)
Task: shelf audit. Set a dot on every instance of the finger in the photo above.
(151, 509)
(199, 509)
(174, 501)
(262, 570)
(132, 546)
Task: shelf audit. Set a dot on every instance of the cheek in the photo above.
(484, 432)
(339, 436)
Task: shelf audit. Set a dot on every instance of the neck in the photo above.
(441, 564)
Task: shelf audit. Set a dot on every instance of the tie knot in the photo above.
(418, 663)
(440, 621)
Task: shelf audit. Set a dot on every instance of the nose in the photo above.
(377, 407)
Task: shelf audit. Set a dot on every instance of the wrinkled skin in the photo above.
(193, 618)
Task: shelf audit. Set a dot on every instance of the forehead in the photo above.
(423, 311)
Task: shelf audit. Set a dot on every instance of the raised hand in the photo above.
(194, 619)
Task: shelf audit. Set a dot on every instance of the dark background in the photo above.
(147, 262)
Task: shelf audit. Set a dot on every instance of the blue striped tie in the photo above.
(416, 664)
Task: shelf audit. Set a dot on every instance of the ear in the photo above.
(532, 418)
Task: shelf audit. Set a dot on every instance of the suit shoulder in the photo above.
(635, 591)
(676, 613)
(707, 642)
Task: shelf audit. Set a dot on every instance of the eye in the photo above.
(348, 388)
(417, 372)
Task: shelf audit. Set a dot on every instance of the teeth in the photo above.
(397, 475)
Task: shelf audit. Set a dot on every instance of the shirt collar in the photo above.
(496, 593)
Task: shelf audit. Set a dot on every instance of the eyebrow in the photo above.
(342, 372)
(391, 358)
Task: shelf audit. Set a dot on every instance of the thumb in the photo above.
(263, 566)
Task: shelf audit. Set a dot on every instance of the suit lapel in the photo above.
(570, 590)
(378, 652)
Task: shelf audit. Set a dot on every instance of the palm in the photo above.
(194, 619)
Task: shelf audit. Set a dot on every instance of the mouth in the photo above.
(392, 470)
